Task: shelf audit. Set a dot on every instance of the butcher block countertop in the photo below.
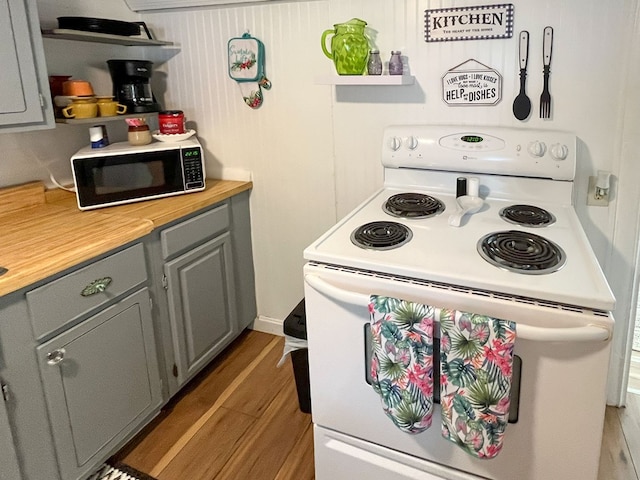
(43, 233)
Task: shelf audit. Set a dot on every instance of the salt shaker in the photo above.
(473, 186)
(374, 65)
(395, 63)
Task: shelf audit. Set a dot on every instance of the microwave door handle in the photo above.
(587, 333)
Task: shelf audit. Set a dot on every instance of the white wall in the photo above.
(320, 144)
(313, 150)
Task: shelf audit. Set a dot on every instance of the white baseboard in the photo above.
(268, 325)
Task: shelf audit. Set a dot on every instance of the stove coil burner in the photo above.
(521, 252)
(527, 216)
(413, 205)
(381, 235)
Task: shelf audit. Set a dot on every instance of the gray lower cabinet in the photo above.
(201, 304)
(203, 266)
(9, 466)
(100, 382)
(89, 356)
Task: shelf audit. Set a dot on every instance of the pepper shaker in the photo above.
(374, 65)
(395, 63)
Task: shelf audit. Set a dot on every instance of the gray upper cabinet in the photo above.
(25, 102)
(141, 5)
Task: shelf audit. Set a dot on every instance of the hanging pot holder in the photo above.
(246, 66)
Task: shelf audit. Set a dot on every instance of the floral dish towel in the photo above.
(476, 359)
(402, 361)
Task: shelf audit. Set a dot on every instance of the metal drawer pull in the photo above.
(55, 357)
(97, 286)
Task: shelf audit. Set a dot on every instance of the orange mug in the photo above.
(79, 88)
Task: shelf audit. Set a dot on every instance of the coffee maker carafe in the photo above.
(131, 85)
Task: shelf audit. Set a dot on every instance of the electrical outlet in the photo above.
(592, 199)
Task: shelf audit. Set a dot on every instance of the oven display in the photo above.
(471, 138)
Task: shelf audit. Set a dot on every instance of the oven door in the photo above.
(117, 179)
(557, 433)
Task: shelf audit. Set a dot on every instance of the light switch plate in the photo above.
(603, 201)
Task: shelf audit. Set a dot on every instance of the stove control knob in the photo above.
(394, 143)
(537, 149)
(412, 143)
(559, 152)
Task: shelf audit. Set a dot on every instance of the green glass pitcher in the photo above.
(349, 47)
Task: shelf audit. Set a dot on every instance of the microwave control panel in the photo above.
(193, 168)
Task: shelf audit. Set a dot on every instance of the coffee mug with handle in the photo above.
(81, 108)
(109, 109)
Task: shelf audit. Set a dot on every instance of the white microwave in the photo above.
(120, 173)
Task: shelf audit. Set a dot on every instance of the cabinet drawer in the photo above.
(62, 301)
(194, 231)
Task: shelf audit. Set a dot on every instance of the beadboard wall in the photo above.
(319, 145)
(313, 151)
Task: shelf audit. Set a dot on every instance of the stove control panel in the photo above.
(472, 142)
(494, 150)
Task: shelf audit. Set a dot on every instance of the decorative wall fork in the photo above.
(547, 47)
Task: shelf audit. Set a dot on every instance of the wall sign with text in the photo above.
(482, 22)
(471, 84)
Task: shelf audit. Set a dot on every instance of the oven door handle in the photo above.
(587, 333)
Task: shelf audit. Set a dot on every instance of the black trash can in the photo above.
(295, 325)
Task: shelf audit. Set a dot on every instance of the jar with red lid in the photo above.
(171, 122)
(139, 135)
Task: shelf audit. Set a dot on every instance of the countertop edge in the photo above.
(140, 219)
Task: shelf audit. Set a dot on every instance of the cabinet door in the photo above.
(201, 304)
(20, 100)
(101, 383)
(9, 469)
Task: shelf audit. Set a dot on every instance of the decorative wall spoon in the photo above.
(522, 104)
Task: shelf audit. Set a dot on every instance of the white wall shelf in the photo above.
(366, 80)
(66, 34)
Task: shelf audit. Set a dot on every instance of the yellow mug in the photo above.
(109, 109)
(81, 108)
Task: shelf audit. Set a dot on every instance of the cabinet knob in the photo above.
(55, 357)
(97, 286)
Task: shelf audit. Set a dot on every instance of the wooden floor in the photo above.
(239, 419)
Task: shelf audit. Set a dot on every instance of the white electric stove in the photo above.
(522, 256)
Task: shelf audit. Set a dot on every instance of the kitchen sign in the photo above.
(482, 22)
(471, 84)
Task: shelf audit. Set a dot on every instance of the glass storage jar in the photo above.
(395, 64)
(374, 65)
(139, 135)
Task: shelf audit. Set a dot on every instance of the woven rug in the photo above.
(119, 471)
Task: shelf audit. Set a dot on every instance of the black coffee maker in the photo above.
(131, 85)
